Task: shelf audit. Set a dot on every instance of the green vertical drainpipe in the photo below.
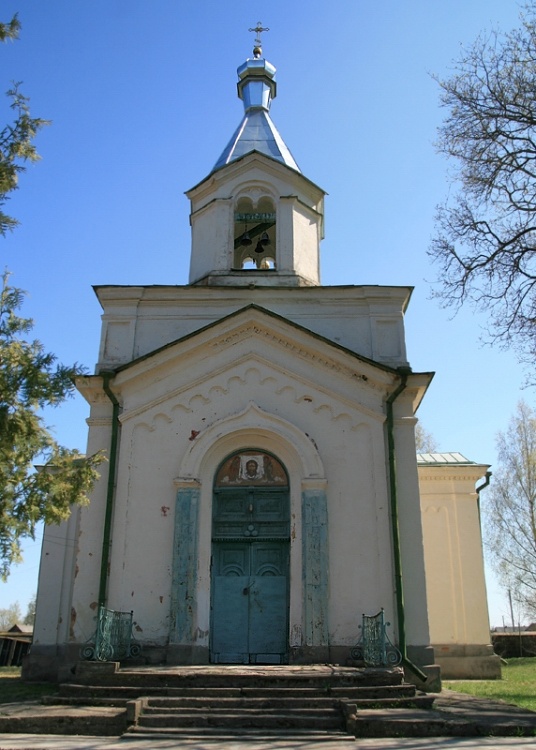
(478, 490)
(403, 373)
(110, 494)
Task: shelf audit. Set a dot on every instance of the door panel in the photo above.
(230, 625)
(231, 559)
(249, 602)
(269, 558)
(268, 616)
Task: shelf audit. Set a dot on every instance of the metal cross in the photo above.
(258, 31)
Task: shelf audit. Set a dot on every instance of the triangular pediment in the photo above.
(255, 340)
(254, 322)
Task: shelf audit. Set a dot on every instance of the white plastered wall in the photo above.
(171, 404)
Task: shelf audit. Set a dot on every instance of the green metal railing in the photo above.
(113, 639)
(374, 648)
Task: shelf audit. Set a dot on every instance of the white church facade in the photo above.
(262, 489)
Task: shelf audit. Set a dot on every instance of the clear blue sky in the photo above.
(142, 98)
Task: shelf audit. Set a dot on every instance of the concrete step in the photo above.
(71, 690)
(399, 722)
(238, 734)
(91, 673)
(313, 711)
(237, 704)
(294, 703)
(312, 720)
(88, 700)
(319, 703)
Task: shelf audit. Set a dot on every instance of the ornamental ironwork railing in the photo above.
(374, 647)
(113, 639)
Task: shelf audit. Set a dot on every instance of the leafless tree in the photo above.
(510, 509)
(424, 440)
(485, 243)
(9, 616)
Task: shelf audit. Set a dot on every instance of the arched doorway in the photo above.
(250, 561)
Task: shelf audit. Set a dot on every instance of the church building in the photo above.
(262, 489)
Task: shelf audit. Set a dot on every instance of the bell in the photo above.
(259, 247)
(246, 240)
(265, 240)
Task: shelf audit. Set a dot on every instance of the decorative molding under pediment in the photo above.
(315, 396)
(256, 329)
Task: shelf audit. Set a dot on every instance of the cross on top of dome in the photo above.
(258, 29)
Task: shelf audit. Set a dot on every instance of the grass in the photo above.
(518, 684)
(13, 689)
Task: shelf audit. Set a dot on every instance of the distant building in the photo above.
(15, 644)
(263, 489)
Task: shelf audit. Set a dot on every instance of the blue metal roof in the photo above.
(256, 132)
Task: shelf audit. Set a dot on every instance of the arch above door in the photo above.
(253, 426)
(309, 567)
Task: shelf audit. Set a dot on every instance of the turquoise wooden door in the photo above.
(250, 571)
(250, 602)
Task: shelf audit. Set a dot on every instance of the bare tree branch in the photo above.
(509, 508)
(485, 243)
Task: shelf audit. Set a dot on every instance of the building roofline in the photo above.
(274, 316)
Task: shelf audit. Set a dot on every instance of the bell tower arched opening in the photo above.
(254, 235)
(250, 560)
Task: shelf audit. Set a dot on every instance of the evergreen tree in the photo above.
(31, 379)
(16, 138)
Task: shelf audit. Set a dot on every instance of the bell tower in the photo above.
(256, 220)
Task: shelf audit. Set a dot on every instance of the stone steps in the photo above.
(270, 702)
(170, 680)
(167, 716)
(366, 707)
(243, 734)
(72, 692)
(245, 718)
(397, 722)
(230, 701)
